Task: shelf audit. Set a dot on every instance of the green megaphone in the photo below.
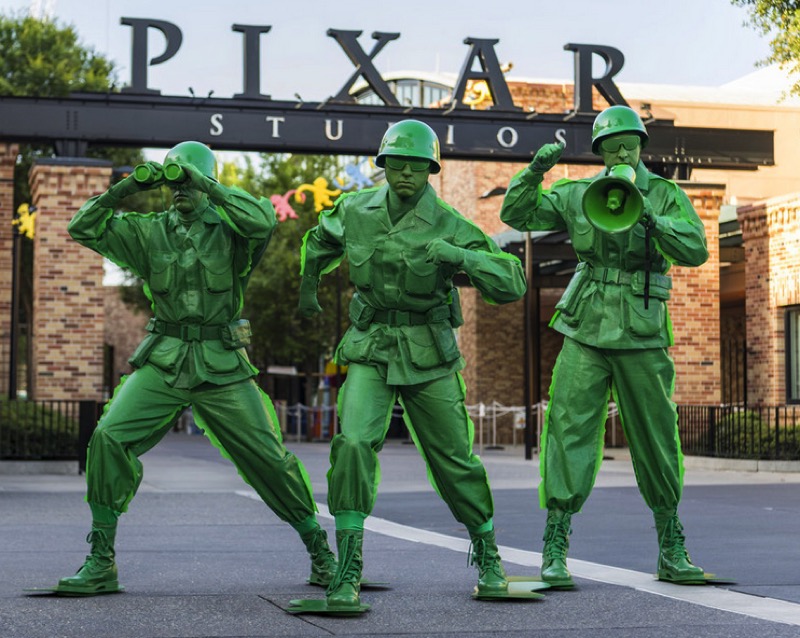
(612, 203)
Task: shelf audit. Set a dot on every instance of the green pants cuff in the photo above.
(103, 515)
(307, 525)
(488, 526)
(350, 520)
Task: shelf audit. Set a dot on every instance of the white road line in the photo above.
(713, 597)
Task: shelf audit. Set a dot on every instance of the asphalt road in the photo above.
(200, 556)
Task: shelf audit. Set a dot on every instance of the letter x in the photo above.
(348, 40)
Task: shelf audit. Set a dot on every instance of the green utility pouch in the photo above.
(236, 334)
(456, 318)
(360, 313)
(445, 342)
(572, 295)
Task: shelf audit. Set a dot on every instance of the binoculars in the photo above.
(148, 174)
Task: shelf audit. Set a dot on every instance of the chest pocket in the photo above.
(421, 276)
(360, 265)
(583, 237)
(162, 272)
(218, 272)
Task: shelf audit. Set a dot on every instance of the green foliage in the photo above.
(30, 430)
(780, 21)
(746, 435)
(280, 335)
(43, 58)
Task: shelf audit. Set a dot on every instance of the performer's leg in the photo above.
(240, 420)
(643, 385)
(365, 410)
(139, 414)
(572, 448)
(443, 432)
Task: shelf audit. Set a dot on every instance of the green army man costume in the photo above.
(404, 245)
(195, 260)
(615, 341)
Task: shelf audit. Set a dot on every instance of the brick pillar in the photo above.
(695, 311)
(771, 234)
(8, 158)
(68, 310)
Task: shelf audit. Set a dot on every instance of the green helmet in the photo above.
(614, 120)
(410, 138)
(196, 154)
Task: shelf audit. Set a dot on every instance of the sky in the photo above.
(677, 42)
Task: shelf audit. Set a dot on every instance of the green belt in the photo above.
(408, 318)
(185, 331)
(617, 276)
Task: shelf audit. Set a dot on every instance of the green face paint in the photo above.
(410, 178)
(186, 198)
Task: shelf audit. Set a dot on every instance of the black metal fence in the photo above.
(729, 431)
(46, 430)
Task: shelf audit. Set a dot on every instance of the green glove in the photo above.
(308, 304)
(546, 157)
(441, 252)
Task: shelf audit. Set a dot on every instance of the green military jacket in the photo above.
(195, 276)
(405, 308)
(603, 304)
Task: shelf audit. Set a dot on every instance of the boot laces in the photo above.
(321, 554)
(349, 570)
(673, 541)
(484, 557)
(556, 540)
(102, 552)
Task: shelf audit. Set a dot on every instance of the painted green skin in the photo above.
(195, 260)
(613, 344)
(404, 245)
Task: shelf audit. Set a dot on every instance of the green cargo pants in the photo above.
(442, 431)
(238, 418)
(642, 382)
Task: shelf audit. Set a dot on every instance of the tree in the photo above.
(42, 58)
(779, 20)
(280, 335)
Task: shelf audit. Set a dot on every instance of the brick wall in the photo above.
(68, 298)
(124, 330)
(771, 232)
(694, 309)
(8, 157)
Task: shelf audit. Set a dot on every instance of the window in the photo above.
(792, 338)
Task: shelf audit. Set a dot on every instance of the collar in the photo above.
(424, 210)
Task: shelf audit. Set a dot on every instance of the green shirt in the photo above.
(603, 305)
(195, 274)
(391, 274)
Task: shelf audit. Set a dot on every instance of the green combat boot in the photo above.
(674, 564)
(98, 575)
(485, 556)
(556, 544)
(345, 587)
(323, 562)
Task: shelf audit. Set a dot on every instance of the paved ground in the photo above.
(200, 556)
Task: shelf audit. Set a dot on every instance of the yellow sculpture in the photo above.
(25, 220)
